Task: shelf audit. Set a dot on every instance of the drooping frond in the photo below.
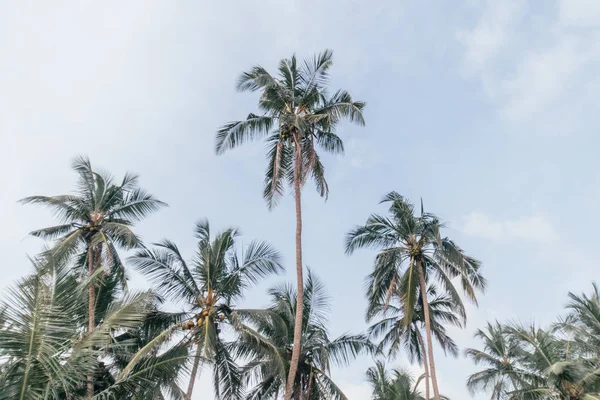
(236, 133)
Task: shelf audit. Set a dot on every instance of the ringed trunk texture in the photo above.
(299, 276)
(188, 395)
(436, 392)
(91, 313)
(425, 363)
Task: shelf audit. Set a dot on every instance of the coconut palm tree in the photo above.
(45, 353)
(395, 385)
(524, 363)
(412, 253)
(500, 358)
(396, 335)
(269, 347)
(297, 117)
(94, 223)
(209, 286)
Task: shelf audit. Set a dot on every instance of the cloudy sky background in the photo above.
(486, 109)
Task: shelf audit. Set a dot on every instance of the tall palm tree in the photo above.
(396, 335)
(413, 252)
(94, 222)
(297, 116)
(209, 287)
(269, 348)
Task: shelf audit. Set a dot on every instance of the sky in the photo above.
(485, 109)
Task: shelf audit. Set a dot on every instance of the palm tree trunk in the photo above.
(299, 278)
(436, 392)
(425, 363)
(91, 312)
(309, 390)
(188, 395)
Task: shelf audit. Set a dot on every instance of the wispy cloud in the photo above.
(531, 228)
(527, 78)
(491, 33)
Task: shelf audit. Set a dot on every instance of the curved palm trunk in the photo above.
(188, 395)
(425, 363)
(436, 392)
(91, 313)
(299, 278)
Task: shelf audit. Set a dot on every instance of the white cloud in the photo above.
(487, 38)
(356, 391)
(579, 12)
(543, 76)
(530, 228)
(533, 63)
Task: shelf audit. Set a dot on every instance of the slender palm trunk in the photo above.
(91, 312)
(299, 278)
(436, 392)
(309, 389)
(188, 395)
(425, 363)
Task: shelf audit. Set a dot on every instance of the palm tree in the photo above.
(94, 222)
(395, 385)
(396, 335)
(297, 116)
(412, 252)
(499, 356)
(269, 347)
(46, 354)
(209, 285)
(525, 363)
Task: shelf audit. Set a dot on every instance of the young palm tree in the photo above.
(94, 222)
(412, 252)
(269, 348)
(499, 356)
(209, 285)
(297, 117)
(396, 335)
(394, 385)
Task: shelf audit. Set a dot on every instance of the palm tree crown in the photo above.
(413, 253)
(98, 216)
(396, 335)
(269, 348)
(404, 239)
(208, 286)
(296, 114)
(392, 385)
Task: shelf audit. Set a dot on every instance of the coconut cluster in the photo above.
(286, 131)
(199, 319)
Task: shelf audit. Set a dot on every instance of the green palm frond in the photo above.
(267, 347)
(298, 111)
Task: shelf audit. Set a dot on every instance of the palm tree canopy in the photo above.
(404, 239)
(297, 112)
(46, 354)
(530, 363)
(268, 348)
(397, 384)
(99, 214)
(396, 335)
(208, 286)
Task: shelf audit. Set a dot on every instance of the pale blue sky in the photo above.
(486, 109)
